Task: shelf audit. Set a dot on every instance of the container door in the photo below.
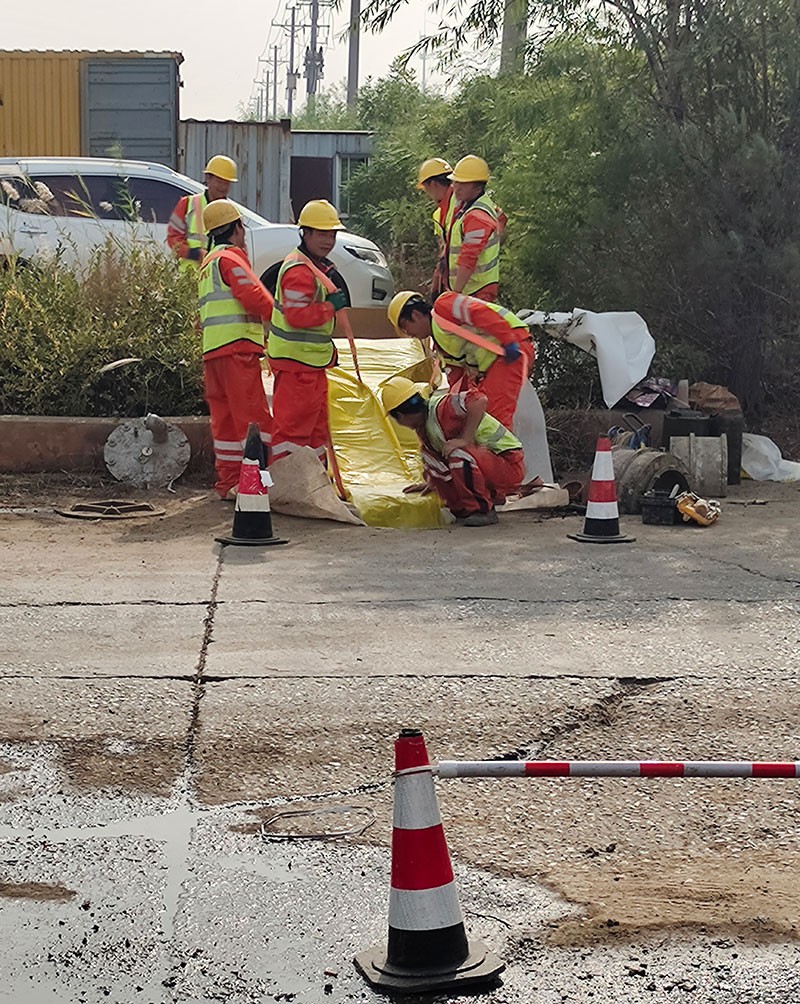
(129, 109)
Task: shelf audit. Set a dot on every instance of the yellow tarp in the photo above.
(374, 463)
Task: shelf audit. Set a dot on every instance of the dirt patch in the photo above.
(40, 891)
(6, 767)
(753, 896)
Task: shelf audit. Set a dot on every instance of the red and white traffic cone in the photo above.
(601, 525)
(428, 947)
(252, 520)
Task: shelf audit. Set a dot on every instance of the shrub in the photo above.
(61, 327)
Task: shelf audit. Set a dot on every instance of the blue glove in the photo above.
(338, 298)
(512, 352)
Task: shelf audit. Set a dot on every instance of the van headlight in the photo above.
(367, 254)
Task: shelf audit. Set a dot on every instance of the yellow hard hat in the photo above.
(219, 213)
(222, 167)
(470, 168)
(398, 389)
(395, 308)
(431, 168)
(319, 214)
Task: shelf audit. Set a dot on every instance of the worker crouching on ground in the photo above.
(301, 346)
(473, 242)
(433, 179)
(234, 306)
(469, 459)
(499, 376)
(186, 232)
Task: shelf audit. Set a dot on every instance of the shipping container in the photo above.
(323, 162)
(262, 151)
(73, 104)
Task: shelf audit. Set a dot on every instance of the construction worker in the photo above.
(308, 294)
(434, 180)
(450, 321)
(234, 307)
(186, 233)
(469, 459)
(473, 247)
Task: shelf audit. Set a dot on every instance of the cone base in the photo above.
(480, 966)
(588, 538)
(250, 541)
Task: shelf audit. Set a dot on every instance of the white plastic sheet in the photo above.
(620, 341)
(762, 460)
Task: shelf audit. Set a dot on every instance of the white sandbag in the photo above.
(303, 488)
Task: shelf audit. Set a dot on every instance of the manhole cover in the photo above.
(147, 452)
(111, 509)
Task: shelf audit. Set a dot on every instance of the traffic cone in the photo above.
(601, 525)
(252, 521)
(428, 947)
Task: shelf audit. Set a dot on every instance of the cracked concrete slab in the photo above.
(106, 640)
(661, 637)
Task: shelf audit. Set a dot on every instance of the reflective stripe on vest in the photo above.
(310, 346)
(222, 318)
(196, 236)
(473, 355)
(487, 268)
(490, 434)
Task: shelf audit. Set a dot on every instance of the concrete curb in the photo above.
(34, 444)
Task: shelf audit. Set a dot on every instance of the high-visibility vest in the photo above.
(467, 353)
(196, 236)
(490, 434)
(310, 346)
(222, 318)
(487, 268)
(443, 219)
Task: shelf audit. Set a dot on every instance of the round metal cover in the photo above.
(111, 509)
(146, 452)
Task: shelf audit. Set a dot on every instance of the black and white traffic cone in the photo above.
(427, 947)
(252, 520)
(601, 525)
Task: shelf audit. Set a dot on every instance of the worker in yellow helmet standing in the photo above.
(434, 180)
(473, 247)
(309, 292)
(234, 307)
(186, 233)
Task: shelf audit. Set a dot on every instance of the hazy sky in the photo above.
(221, 42)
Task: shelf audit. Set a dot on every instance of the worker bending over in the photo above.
(186, 232)
(453, 318)
(469, 459)
(234, 306)
(473, 243)
(434, 180)
(301, 347)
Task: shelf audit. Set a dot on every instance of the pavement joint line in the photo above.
(522, 601)
(105, 603)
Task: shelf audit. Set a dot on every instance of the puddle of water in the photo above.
(172, 828)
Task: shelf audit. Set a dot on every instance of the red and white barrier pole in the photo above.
(616, 768)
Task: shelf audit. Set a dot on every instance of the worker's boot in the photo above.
(481, 518)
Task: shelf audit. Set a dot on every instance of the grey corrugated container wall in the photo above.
(262, 151)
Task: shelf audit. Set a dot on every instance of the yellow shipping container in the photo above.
(40, 100)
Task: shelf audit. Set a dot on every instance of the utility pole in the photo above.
(291, 75)
(275, 82)
(313, 57)
(352, 55)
